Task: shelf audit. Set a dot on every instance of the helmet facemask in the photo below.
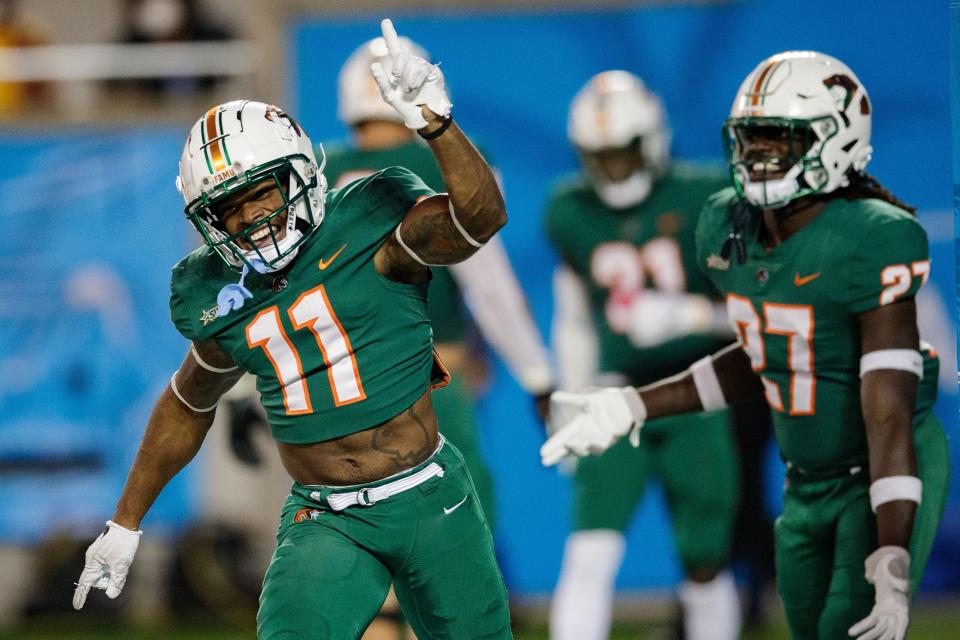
(774, 161)
(287, 226)
(621, 176)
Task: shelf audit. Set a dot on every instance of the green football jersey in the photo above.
(346, 164)
(335, 346)
(795, 308)
(619, 253)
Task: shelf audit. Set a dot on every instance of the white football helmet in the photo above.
(616, 111)
(819, 106)
(358, 96)
(241, 143)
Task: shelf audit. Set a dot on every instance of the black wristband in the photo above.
(439, 131)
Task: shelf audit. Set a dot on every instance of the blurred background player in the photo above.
(631, 307)
(820, 265)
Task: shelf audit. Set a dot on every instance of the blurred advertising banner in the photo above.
(511, 78)
(91, 223)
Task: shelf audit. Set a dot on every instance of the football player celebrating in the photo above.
(330, 316)
(633, 307)
(485, 281)
(820, 266)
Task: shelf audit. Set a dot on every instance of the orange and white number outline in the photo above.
(796, 323)
(347, 388)
(281, 360)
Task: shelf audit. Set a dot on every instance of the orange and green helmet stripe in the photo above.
(214, 142)
(757, 95)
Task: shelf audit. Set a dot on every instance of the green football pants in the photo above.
(331, 570)
(827, 530)
(453, 407)
(696, 461)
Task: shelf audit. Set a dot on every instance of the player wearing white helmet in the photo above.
(330, 316)
(632, 307)
(819, 265)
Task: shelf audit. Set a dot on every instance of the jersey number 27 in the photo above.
(795, 322)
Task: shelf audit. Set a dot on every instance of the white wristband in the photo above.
(900, 359)
(176, 392)
(890, 488)
(708, 385)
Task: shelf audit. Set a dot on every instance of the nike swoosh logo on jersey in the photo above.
(447, 512)
(800, 281)
(323, 264)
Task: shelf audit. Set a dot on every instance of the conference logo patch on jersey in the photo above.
(209, 315)
(716, 262)
(305, 515)
(763, 275)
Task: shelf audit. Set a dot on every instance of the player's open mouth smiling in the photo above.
(261, 238)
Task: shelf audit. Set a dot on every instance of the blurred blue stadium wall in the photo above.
(91, 225)
(512, 77)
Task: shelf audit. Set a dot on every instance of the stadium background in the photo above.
(92, 224)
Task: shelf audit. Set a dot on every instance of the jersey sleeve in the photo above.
(556, 222)
(179, 312)
(713, 226)
(891, 263)
(393, 191)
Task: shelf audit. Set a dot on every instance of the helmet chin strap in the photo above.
(625, 193)
(270, 253)
(770, 194)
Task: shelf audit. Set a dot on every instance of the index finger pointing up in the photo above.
(390, 37)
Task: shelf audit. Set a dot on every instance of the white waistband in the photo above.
(371, 495)
(366, 495)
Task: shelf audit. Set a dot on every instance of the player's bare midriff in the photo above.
(398, 444)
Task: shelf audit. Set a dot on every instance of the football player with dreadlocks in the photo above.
(330, 315)
(632, 306)
(820, 265)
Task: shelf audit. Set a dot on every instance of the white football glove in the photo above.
(590, 422)
(108, 561)
(410, 82)
(888, 570)
(656, 317)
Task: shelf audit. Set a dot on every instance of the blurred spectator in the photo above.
(159, 21)
(16, 31)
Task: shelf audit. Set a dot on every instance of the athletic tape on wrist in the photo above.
(890, 488)
(900, 359)
(176, 392)
(209, 367)
(707, 384)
